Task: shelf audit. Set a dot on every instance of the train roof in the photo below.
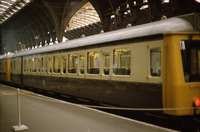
(6, 56)
(175, 24)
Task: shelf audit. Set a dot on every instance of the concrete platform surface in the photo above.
(44, 114)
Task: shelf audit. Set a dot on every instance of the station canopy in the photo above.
(84, 16)
(10, 7)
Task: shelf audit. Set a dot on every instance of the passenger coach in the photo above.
(154, 65)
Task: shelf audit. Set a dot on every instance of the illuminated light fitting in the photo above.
(197, 1)
(5, 2)
(2, 9)
(197, 102)
(144, 7)
(27, 1)
(22, 4)
(18, 7)
(166, 1)
(14, 10)
(112, 16)
(4, 6)
(7, 15)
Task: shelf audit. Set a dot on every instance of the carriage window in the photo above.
(50, 65)
(43, 64)
(0, 66)
(56, 64)
(14, 65)
(155, 62)
(25, 64)
(29, 64)
(122, 61)
(73, 63)
(82, 63)
(64, 64)
(34, 61)
(93, 62)
(106, 68)
(5, 66)
(38, 65)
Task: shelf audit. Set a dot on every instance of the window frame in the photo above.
(68, 64)
(119, 69)
(109, 67)
(99, 63)
(54, 64)
(158, 50)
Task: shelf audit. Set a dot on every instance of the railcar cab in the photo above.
(5, 67)
(181, 85)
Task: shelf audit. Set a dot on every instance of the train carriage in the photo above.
(154, 65)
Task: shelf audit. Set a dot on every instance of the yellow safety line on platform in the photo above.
(4, 93)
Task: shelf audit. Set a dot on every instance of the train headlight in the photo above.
(197, 102)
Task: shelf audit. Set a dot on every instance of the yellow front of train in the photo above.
(181, 74)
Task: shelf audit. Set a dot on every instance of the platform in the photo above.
(45, 114)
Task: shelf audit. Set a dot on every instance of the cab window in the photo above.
(122, 61)
(190, 53)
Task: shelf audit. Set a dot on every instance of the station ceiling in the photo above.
(35, 23)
